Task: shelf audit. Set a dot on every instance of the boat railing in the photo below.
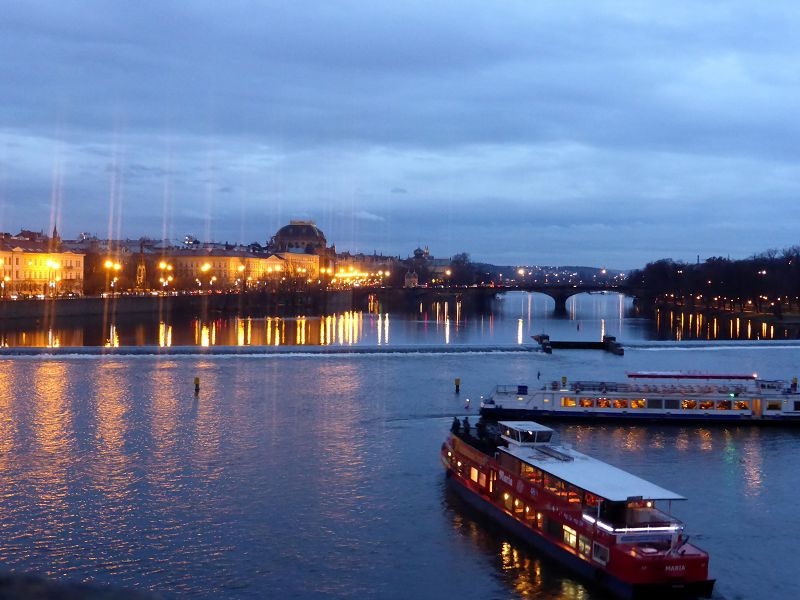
(603, 387)
(511, 388)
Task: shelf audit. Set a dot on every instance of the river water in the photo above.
(316, 475)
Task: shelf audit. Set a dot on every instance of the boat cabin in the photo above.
(613, 500)
(525, 433)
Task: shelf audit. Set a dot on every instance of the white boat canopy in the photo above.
(587, 473)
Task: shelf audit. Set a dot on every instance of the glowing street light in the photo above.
(112, 267)
(166, 277)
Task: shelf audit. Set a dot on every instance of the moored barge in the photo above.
(600, 521)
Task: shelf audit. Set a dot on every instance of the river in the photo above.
(316, 475)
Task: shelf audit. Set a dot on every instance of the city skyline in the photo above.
(612, 135)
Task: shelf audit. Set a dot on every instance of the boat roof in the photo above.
(689, 375)
(525, 425)
(587, 473)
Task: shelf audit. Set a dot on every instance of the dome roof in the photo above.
(299, 236)
(301, 231)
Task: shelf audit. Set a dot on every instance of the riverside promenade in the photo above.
(202, 305)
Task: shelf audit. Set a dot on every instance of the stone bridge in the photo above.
(479, 297)
(561, 292)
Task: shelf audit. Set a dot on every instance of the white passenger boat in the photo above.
(652, 396)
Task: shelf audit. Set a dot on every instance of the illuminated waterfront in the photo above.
(517, 316)
(316, 475)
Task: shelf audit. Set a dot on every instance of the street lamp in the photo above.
(112, 266)
(166, 277)
(52, 277)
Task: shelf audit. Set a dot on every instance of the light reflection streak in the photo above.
(113, 338)
(7, 423)
(519, 331)
(753, 461)
(52, 432)
(164, 335)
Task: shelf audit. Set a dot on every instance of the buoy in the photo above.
(196, 386)
(458, 384)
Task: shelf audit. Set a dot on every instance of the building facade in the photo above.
(35, 265)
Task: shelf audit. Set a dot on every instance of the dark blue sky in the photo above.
(597, 133)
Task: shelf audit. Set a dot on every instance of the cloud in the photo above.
(536, 133)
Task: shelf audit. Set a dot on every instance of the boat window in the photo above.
(672, 404)
(587, 402)
(620, 403)
(797, 405)
(519, 507)
(590, 499)
(473, 474)
(657, 403)
(544, 436)
(741, 405)
(773, 405)
(603, 403)
(507, 501)
(573, 494)
(554, 485)
(689, 404)
(568, 401)
(706, 405)
(533, 474)
(570, 536)
(723, 405)
(482, 480)
(584, 545)
(638, 403)
(600, 553)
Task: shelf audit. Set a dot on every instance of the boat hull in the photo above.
(585, 570)
(499, 414)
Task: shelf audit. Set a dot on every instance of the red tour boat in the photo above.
(595, 518)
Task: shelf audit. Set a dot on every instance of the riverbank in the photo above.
(198, 305)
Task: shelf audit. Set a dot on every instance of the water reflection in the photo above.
(521, 569)
(672, 324)
(516, 318)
